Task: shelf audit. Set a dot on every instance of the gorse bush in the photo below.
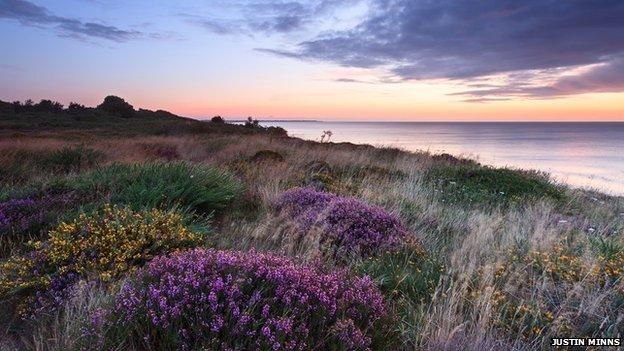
(206, 299)
(99, 246)
(349, 226)
(161, 185)
(550, 298)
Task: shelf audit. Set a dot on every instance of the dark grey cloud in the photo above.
(463, 40)
(349, 80)
(606, 77)
(30, 14)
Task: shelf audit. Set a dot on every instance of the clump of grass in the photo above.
(267, 156)
(408, 273)
(102, 246)
(161, 185)
(23, 166)
(71, 159)
(478, 185)
(198, 188)
(407, 277)
(537, 293)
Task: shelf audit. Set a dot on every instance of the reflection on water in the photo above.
(581, 154)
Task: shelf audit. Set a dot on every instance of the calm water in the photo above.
(581, 154)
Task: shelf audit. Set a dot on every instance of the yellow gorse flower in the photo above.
(102, 245)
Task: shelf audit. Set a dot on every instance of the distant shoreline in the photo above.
(274, 120)
(423, 122)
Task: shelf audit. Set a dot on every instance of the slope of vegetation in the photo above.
(138, 230)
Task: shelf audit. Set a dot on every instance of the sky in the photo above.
(390, 60)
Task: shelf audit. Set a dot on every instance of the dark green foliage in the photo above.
(406, 274)
(72, 159)
(267, 155)
(24, 119)
(277, 131)
(452, 160)
(6, 107)
(116, 106)
(75, 107)
(217, 119)
(28, 106)
(475, 185)
(252, 123)
(163, 185)
(407, 278)
(605, 247)
(49, 106)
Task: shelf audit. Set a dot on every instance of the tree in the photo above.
(116, 106)
(17, 107)
(49, 106)
(217, 119)
(252, 123)
(75, 107)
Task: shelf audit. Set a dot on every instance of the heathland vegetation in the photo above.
(124, 229)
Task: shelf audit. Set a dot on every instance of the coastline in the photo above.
(425, 239)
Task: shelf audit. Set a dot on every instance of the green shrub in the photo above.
(408, 273)
(477, 185)
(407, 278)
(161, 185)
(71, 159)
(117, 106)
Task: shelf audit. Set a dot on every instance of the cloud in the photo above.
(268, 17)
(10, 68)
(462, 40)
(484, 99)
(219, 27)
(349, 80)
(606, 77)
(29, 14)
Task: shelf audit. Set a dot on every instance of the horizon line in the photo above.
(260, 120)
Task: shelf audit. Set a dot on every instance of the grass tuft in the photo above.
(478, 185)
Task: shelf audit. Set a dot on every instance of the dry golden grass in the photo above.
(474, 242)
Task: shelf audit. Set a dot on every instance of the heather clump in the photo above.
(23, 218)
(100, 246)
(348, 225)
(208, 299)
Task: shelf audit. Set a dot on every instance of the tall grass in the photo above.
(489, 230)
(161, 185)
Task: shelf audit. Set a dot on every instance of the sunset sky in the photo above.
(327, 59)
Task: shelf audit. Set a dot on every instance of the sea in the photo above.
(582, 154)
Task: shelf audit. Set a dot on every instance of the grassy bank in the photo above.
(473, 258)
